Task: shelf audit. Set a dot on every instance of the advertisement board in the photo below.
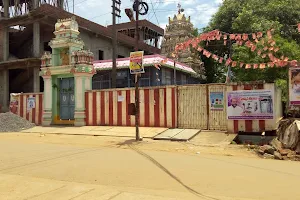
(250, 104)
(216, 100)
(294, 86)
(136, 62)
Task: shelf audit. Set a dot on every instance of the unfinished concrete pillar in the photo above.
(36, 40)
(6, 8)
(4, 89)
(36, 79)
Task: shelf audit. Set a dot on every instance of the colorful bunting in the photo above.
(299, 27)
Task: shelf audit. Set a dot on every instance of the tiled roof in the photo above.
(148, 60)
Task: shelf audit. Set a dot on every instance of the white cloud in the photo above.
(100, 11)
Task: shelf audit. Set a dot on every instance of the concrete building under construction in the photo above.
(26, 27)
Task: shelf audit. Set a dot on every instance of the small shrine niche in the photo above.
(46, 60)
(82, 57)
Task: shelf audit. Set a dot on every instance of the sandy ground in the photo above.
(38, 166)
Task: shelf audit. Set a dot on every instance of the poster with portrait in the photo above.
(294, 86)
(250, 104)
(14, 102)
(216, 100)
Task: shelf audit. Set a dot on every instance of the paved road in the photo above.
(36, 169)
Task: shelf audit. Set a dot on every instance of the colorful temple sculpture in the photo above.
(67, 74)
(179, 30)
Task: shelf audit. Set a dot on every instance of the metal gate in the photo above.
(67, 99)
(192, 107)
(218, 116)
(197, 107)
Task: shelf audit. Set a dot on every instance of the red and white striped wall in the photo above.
(158, 107)
(34, 115)
(235, 126)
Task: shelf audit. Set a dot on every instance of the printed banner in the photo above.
(30, 103)
(136, 62)
(294, 86)
(250, 104)
(14, 102)
(216, 100)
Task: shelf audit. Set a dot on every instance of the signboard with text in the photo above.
(294, 86)
(250, 104)
(216, 100)
(136, 62)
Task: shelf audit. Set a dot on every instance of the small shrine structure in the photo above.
(67, 72)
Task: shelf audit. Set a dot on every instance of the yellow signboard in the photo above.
(136, 62)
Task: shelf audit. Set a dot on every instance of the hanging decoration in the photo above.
(299, 27)
(269, 46)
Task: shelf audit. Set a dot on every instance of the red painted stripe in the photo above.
(87, 109)
(173, 108)
(156, 108)
(147, 107)
(248, 123)
(165, 107)
(119, 111)
(27, 113)
(102, 109)
(235, 122)
(111, 113)
(127, 103)
(41, 106)
(94, 110)
(262, 123)
(33, 111)
(21, 104)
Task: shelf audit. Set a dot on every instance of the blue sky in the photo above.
(99, 11)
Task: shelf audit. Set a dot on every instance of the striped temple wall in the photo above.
(35, 114)
(158, 107)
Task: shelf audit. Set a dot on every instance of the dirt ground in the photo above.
(195, 146)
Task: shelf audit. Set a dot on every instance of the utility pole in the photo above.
(115, 13)
(137, 93)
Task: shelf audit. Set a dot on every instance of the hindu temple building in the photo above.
(179, 30)
(26, 28)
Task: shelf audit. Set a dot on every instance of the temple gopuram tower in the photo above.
(178, 30)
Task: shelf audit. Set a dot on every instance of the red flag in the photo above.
(200, 49)
(238, 37)
(299, 27)
(271, 48)
(215, 57)
(262, 66)
(264, 55)
(225, 42)
(232, 36)
(234, 63)
(225, 37)
(271, 64)
(286, 59)
(248, 66)
(255, 66)
(269, 34)
(228, 61)
(218, 37)
(276, 49)
(259, 35)
(259, 52)
(253, 48)
(241, 65)
(221, 60)
(245, 37)
(253, 36)
(266, 48)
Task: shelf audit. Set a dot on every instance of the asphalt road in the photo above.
(63, 170)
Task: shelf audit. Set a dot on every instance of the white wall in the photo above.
(95, 44)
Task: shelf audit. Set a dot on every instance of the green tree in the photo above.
(249, 16)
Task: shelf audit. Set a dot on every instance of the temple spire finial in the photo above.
(180, 9)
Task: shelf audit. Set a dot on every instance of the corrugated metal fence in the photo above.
(194, 109)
